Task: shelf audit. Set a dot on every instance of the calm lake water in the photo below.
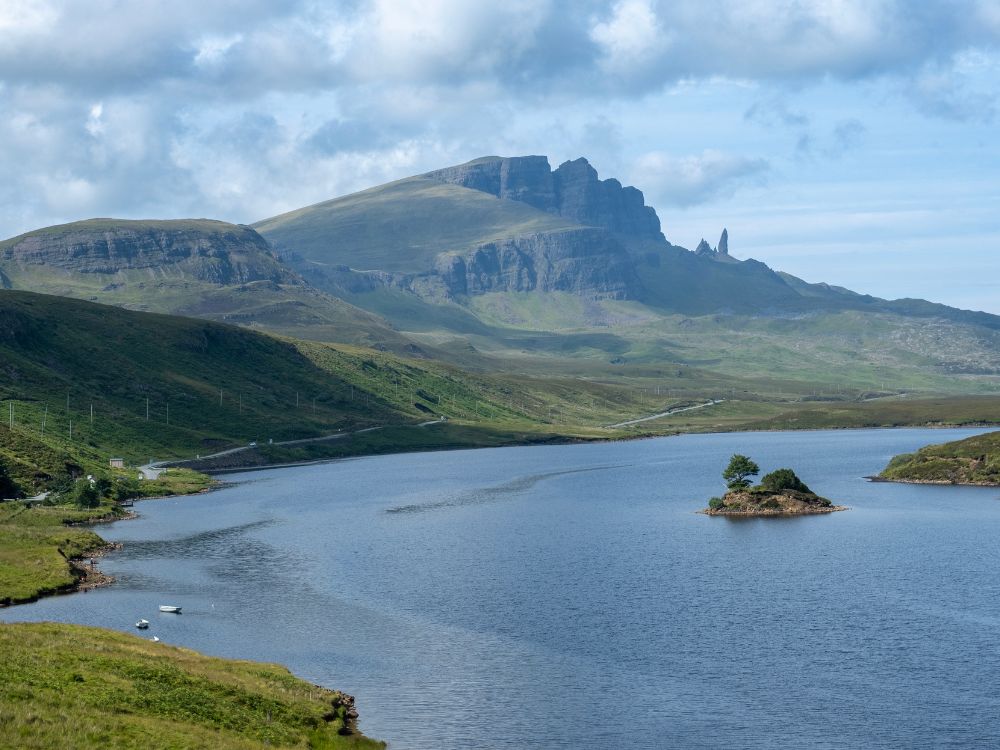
(570, 596)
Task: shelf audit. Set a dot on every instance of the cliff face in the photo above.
(208, 251)
(585, 261)
(573, 191)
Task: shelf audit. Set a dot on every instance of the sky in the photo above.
(853, 142)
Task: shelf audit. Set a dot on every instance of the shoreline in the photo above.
(773, 512)
(570, 440)
(933, 482)
(86, 576)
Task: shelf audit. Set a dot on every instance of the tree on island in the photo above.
(783, 479)
(738, 472)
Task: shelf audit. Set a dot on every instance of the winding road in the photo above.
(668, 413)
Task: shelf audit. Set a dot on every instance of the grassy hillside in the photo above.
(77, 379)
(85, 688)
(210, 387)
(831, 354)
(402, 226)
(206, 385)
(975, 460)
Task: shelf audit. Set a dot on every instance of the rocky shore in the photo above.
(754, 502)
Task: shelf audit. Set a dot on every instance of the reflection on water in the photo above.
(570, 596)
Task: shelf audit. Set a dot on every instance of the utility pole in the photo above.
(168, 412)
(147, 408)
(11, 415)
(296, 399)
(45, 416)
(71, 430)
(241, 404)
(220, 397)
(91, 414)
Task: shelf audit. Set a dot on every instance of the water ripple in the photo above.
(483, 495)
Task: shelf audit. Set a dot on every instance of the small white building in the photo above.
(117, 463)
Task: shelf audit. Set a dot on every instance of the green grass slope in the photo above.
(77, 379)
(206, 384)
(402, 226)
(89, 689)
(975, 460)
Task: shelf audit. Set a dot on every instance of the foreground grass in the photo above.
(78, 687)
(975, 460)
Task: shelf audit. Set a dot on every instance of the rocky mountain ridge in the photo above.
(210, 251)
(573, 191)
(193, 267)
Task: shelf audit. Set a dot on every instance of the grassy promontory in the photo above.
(974, 460)
(81, 687)
(44, 545)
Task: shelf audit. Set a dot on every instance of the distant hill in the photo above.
(200, 268)
(499, 224)
(507, 264)
(554, 270)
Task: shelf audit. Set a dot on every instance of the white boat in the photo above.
(154, 639)
(142, 624)
(170, 608)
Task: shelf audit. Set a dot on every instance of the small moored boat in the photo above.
(170, 608)
(154, 639)
(142, 624)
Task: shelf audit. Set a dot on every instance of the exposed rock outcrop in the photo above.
(573, 190)
(586, 262)
(210, 251)
(521, 178)
(723, 248)
(779, 503)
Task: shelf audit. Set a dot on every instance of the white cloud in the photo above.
(211, 48)
(94, 125)
(690, 180)
(151, 108)
(423, 40)
(631, 36)
(26, 16)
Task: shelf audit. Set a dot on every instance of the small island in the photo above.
(780, 493)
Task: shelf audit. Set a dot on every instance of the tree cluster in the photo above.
(737, 476)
